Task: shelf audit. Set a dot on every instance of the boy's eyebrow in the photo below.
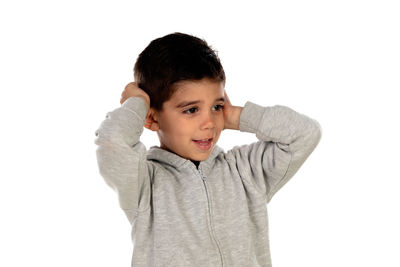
(188, 103)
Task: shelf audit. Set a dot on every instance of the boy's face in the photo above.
(191, 121)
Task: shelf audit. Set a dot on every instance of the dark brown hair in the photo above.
(173, 58)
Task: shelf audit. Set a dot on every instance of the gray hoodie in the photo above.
(213, 215)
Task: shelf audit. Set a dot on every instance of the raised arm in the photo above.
(121, 156)
(286, 137)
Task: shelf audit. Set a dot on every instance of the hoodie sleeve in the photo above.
(121, 157)
(286, 137)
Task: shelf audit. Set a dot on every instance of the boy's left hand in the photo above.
(231, 114)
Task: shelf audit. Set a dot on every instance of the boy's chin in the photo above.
(200, 156)
(192, 155)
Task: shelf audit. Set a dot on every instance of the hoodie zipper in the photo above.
(203, 177)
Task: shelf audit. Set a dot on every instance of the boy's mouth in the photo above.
(204, 144)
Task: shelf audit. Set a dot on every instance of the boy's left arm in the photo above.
(286, 137)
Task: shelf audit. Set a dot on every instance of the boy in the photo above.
(189, 202)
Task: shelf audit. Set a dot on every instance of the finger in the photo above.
(122, 99)
(227, 98)
(131, 85)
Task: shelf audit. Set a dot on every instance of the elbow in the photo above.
(315, 134)
(318, 131)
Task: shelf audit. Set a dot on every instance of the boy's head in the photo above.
(185, 81)
(173, 58)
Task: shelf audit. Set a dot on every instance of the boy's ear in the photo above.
(151, 120)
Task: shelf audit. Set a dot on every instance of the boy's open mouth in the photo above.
(204, 144)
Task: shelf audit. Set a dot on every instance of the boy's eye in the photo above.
(195, 109)
(190, 110)
(218, 107)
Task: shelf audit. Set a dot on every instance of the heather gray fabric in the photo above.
(215, 215)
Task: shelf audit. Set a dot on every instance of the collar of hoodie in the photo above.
(166, 157)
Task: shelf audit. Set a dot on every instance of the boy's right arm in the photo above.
(121, 156)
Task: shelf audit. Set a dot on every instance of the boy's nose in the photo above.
(208, 122)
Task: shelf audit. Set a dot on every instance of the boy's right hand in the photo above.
(131, 89)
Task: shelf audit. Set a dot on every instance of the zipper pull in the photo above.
(202, 175)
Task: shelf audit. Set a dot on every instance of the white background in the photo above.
(64, 64)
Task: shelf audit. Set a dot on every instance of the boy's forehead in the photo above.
(193, 90)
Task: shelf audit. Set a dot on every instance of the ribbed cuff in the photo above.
(136, 105)
(250, 117)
